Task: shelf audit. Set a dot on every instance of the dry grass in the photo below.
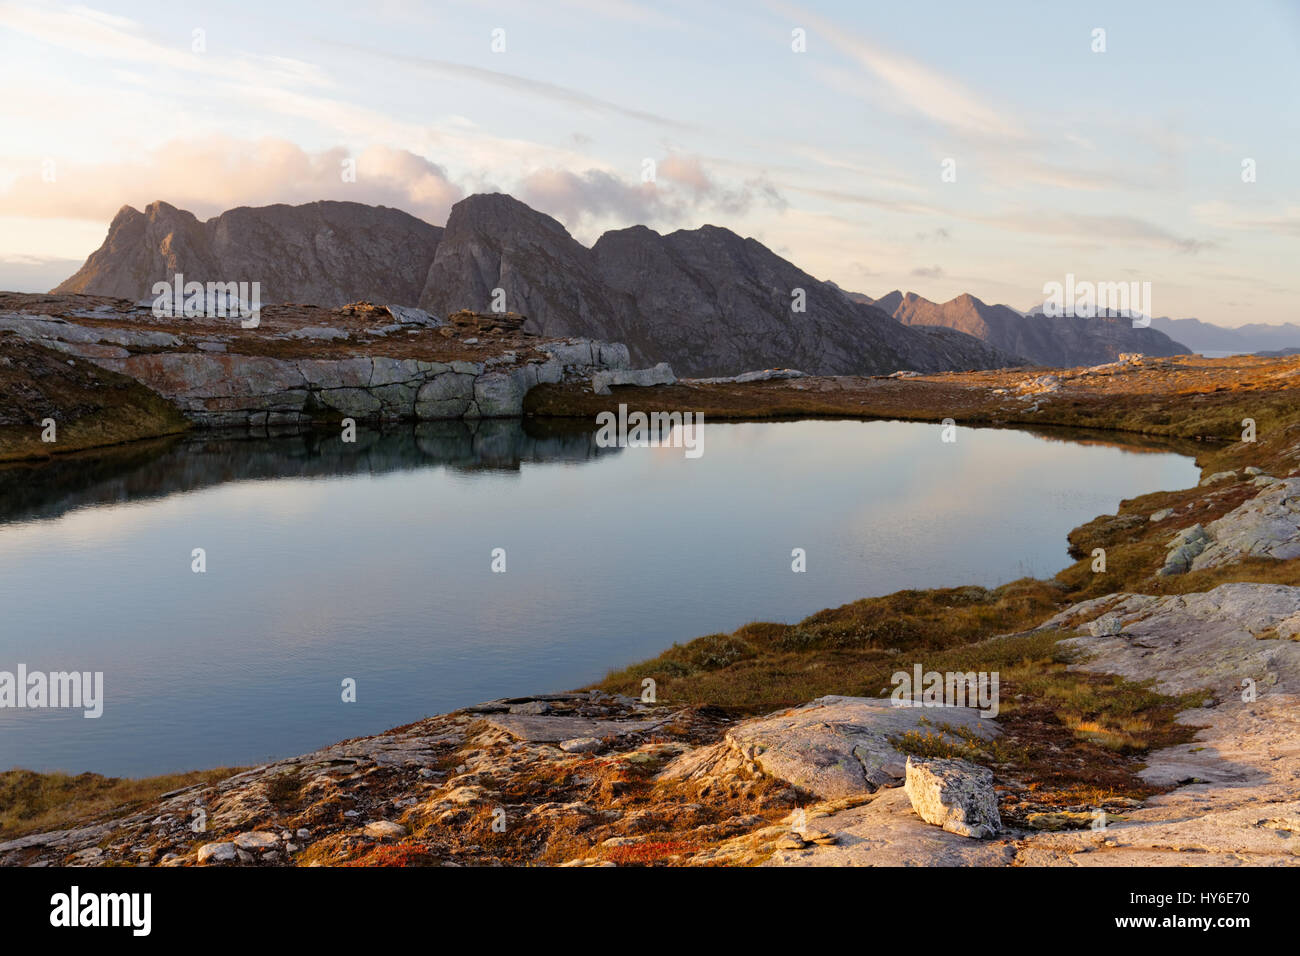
(847, 650)
(33, 802)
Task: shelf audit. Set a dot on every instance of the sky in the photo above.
(935, 147)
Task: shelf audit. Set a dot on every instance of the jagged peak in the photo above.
(126, 212)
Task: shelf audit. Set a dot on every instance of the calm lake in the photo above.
(373, 561)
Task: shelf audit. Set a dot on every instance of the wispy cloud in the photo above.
(521, 85)
(909, 82)
(1122, 229)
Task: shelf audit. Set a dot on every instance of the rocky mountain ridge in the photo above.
(706, 301)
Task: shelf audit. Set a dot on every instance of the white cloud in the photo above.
(207, 181)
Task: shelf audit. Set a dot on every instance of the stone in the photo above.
(406, 315)
(954, 794)
(257, 840)
(533, 707)
(661, 374)
(580, 745)
(384, 830)
(764, 375)
(1161, 515)
(574, 352)
(317, 333)
(1217, 477)
(1183, 550)
(217, 853)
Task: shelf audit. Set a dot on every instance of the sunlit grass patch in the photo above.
(33, 802)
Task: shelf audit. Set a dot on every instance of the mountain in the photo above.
(324, 253)
(493, 241)
(715, 300)
(1253, 337)
(1065, 341)
(705, 300)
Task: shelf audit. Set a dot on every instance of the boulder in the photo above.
(257, 840)
(218, 853)
(956, 795)
(384, 830)
(406, 315)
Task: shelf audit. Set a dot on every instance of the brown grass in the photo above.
(33, 802)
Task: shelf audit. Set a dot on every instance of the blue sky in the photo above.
(1119, 165)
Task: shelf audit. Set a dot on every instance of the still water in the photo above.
(373, 561)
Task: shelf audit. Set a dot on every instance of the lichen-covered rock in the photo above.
(956, 795)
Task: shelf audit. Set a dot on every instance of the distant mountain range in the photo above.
(705, 300)
(1253, 337)
(1062, 341)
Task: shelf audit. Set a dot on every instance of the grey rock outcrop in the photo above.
(833, 747)
(223, 388)
(1235, 801)
(1265, 526)
(886, 833)
(1210, 640)
(661, 374)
